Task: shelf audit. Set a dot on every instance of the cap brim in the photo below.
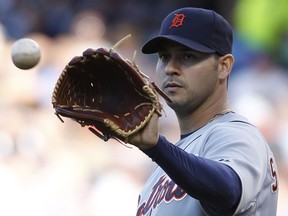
(156, 44)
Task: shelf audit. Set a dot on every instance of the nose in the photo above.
(172, 68)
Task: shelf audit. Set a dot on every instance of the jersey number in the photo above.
(274, 186)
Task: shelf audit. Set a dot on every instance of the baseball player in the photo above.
(221, 164)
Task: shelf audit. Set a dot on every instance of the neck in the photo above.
(200, 117)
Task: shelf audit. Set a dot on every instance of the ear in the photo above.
(225, 64)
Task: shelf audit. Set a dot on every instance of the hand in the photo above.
(148, 136)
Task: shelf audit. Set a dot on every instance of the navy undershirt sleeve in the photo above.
(214, 184)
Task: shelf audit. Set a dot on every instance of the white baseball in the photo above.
(25, 53)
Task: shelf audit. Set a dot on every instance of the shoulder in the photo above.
(233, 131)
(233, 124)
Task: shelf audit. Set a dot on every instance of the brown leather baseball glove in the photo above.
(107, 93)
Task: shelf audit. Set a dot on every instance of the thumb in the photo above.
(148, 136)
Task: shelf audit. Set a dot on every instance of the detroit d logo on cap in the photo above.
(177, 21)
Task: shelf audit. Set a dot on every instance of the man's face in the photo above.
(188, 77)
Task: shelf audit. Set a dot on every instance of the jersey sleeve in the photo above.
(211, 182)
(240, 146)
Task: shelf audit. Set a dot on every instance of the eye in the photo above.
(193, 57)
(163, 57)
(188, 56)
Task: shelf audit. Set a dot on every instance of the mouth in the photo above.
(172, 85)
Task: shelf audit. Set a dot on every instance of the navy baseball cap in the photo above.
(199, 29)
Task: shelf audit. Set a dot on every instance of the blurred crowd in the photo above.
(49, 168)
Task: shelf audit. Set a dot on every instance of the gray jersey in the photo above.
(229, 139)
